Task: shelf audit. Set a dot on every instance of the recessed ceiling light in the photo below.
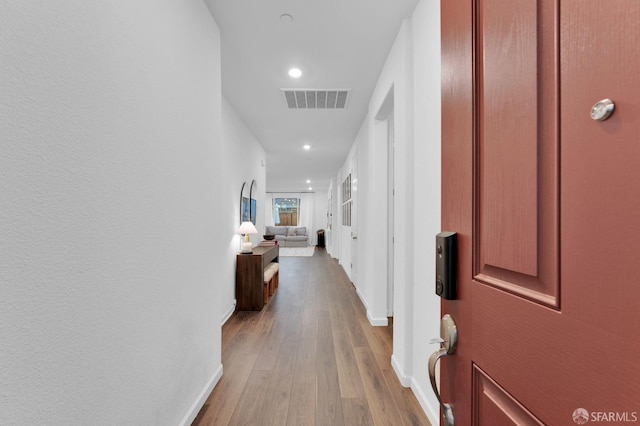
(295, 72)
(285, 17)
(307, 147)
(310, 188)
(308, 181)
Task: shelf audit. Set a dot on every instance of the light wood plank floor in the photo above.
(309, 357)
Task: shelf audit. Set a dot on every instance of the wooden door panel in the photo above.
(548, 361)
(601, 164)
(517, 187)
(547, 304)
(490, 401)
(509, 134)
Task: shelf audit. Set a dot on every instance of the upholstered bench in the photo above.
(271, 278)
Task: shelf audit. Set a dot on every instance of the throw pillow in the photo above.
(292, 232)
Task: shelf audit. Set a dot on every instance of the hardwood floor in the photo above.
(309, 357)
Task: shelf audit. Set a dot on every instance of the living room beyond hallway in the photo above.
(309, 357)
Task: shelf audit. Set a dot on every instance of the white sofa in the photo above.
(289, 236)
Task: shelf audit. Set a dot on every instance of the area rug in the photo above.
(297, 251)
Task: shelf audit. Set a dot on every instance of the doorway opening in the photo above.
(385, 132)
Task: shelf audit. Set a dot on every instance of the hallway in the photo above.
(309, 357)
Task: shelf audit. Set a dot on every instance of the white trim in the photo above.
(346, 270)
(377, 322)
(433, 413)
(410, 382)
(199, 402)
(229, 312)
(404, 379)
(362, 299)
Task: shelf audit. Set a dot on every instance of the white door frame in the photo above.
(390, 213)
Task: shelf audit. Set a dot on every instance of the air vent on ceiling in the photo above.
(316, 98)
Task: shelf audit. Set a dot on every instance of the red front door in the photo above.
(546, 203)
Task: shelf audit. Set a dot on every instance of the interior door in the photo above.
(391, 213)
(354, 221)
(546, 203)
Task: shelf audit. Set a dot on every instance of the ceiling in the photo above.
(338, 44)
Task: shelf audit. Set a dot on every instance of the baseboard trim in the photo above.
(229, 312)
(374, 321)
(404, 379)
(362, 299)
(377, 322)
(410, 382)
(433, 413)
(344, 268)
(202, 397)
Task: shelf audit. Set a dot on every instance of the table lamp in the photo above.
(247, 228)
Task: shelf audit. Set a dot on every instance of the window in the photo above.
(346, 201)
(286, 211)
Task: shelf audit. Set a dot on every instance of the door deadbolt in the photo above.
(446, 265)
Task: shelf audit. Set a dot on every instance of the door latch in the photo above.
(448, 341)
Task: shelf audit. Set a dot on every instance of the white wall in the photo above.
(373, 180)
(412, 74)
(426, 193)
(111, 224)
(244, 161)
(398, 75)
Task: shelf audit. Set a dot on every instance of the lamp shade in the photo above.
(247, 228)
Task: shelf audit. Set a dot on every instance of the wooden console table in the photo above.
(250, 277)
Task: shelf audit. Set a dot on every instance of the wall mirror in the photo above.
(252, 201)
(244, 204)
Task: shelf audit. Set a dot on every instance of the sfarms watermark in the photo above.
(582, 416)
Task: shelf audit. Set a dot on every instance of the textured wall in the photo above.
(109, 190)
